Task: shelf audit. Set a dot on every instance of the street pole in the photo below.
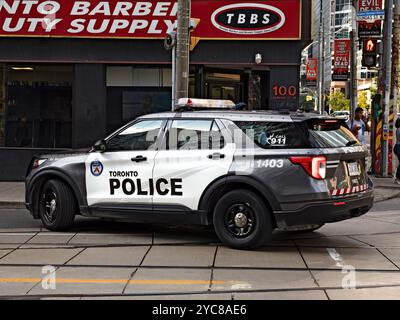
(387, 51)
(353, 60)
(320, 59)
(396, 57)
(182, 50)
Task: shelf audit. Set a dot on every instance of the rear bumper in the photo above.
(327, 211)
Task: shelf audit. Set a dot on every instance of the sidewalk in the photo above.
(12, 194)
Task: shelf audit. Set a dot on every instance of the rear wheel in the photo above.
(57, 206)
(242, 220)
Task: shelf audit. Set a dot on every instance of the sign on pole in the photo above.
(341, 62)
(312, 72)
(369, 17)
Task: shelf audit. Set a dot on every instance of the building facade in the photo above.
(74, 80)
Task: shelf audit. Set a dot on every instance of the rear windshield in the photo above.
(314, 133)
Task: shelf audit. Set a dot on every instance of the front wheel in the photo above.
(57, 206)
(242, 220)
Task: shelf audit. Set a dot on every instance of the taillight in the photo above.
(315, 166)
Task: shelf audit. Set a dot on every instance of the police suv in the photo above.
(246, 173)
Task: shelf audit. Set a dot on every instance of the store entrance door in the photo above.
(224, 86)
(224, 91)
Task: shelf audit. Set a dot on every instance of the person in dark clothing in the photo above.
(22, 138)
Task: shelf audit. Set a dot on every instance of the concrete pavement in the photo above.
(110, 260)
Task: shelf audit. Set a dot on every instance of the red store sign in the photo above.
(223, 19)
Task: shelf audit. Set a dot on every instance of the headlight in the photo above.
(38, 162)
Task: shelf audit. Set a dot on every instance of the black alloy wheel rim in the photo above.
(49, 206)
(240, 220)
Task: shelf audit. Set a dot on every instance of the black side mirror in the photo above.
(100, 146)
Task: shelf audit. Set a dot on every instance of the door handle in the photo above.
(139, 159)
(216, 156)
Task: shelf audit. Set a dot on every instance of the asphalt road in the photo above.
(355, 259)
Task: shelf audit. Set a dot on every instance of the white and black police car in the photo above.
(246, 173)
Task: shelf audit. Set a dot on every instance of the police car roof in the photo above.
(241, 115)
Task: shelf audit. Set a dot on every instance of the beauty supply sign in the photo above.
(222, 20)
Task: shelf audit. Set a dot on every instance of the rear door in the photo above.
(195, 153)
(346, 157)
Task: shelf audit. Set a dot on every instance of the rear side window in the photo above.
(275, 135)
(329, 134)
(315, 133)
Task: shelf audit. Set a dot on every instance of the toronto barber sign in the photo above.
(223, 19)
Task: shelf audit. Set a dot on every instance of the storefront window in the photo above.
(135, 91)
(37, 108)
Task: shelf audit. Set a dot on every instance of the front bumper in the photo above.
(322, 212)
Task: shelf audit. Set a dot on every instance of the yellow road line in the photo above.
(112, 281)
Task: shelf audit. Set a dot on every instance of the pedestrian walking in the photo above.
(359, 125)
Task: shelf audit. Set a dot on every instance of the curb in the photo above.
(12, 205)
(394, 196)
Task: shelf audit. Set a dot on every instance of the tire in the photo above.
(232, 215)
(57, 206)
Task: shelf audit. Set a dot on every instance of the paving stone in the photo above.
(4, 252)
(358, 258)
(359, 226)
(85, 280)
(393, 255)
(111, 239)
(118, 256)
(340, 279)
(239, 280)
(330, 242)
(40, 256)
(170, 280)
(388, 293)
(381, 240)
(181, 238)
(23, 279)
(15, 238)
(51, 238)
(217, 296)
(182, 256)
(282, 295)
(262, 258)
(8, 246)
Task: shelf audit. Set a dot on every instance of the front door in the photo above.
(123, 174)
(195, 154)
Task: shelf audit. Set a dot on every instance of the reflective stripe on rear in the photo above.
(347, 191)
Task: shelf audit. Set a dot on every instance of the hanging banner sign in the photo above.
(218, 20)
(311, 72)
(370, 16)
(341, 62)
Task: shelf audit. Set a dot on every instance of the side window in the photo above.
(194, 135)
(141, 136)
(275, 135)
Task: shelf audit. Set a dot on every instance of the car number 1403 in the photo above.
(270, 163)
